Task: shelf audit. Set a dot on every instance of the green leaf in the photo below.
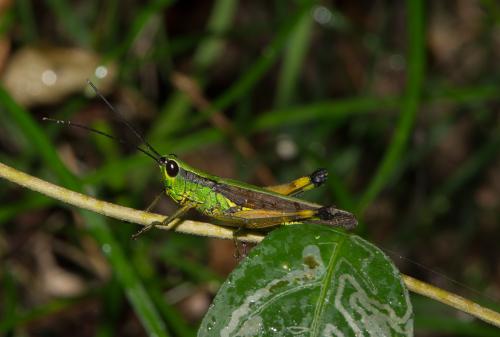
(311, 280)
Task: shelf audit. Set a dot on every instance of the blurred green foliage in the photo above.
(399, 101)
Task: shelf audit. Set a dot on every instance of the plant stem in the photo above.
(453, 300)
(207, 229)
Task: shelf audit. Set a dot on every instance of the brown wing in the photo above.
(261, 200)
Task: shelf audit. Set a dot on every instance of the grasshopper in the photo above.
(243, 205)
(233, 202)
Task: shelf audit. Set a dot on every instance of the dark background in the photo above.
(399, 103)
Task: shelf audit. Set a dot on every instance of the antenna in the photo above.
(84, 127)
(123, 119)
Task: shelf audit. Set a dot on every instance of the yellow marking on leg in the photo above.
(295, 186)
(307, 213)
(259, 218)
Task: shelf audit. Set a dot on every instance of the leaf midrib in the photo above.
(320, 304)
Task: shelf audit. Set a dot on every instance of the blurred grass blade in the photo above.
(209, 49)
(323, 110)
(141, 257)
(140, 21)
(269, 56)
(416, 69)
(96, 224)
(25, 9)
(108, 26)
(22, 205)
(439, 201)
(293, 60)
(10, 300)
(347, 107)
(37, 313)
(74, 26)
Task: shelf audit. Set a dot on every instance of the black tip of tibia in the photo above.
(319, 176)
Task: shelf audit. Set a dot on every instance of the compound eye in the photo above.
(172, 168)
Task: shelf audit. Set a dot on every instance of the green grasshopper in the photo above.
(233, 202)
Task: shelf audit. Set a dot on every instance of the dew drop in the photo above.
(49, 77)
(286, 148)
(106, 248)
(322, 15)
(101, 71)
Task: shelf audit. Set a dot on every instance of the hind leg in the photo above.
(317, 178)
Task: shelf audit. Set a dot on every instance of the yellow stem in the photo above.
(207, 229)
(452, 300)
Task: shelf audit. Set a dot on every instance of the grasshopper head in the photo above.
(169, 166)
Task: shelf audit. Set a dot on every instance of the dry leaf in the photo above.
(36, 76)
